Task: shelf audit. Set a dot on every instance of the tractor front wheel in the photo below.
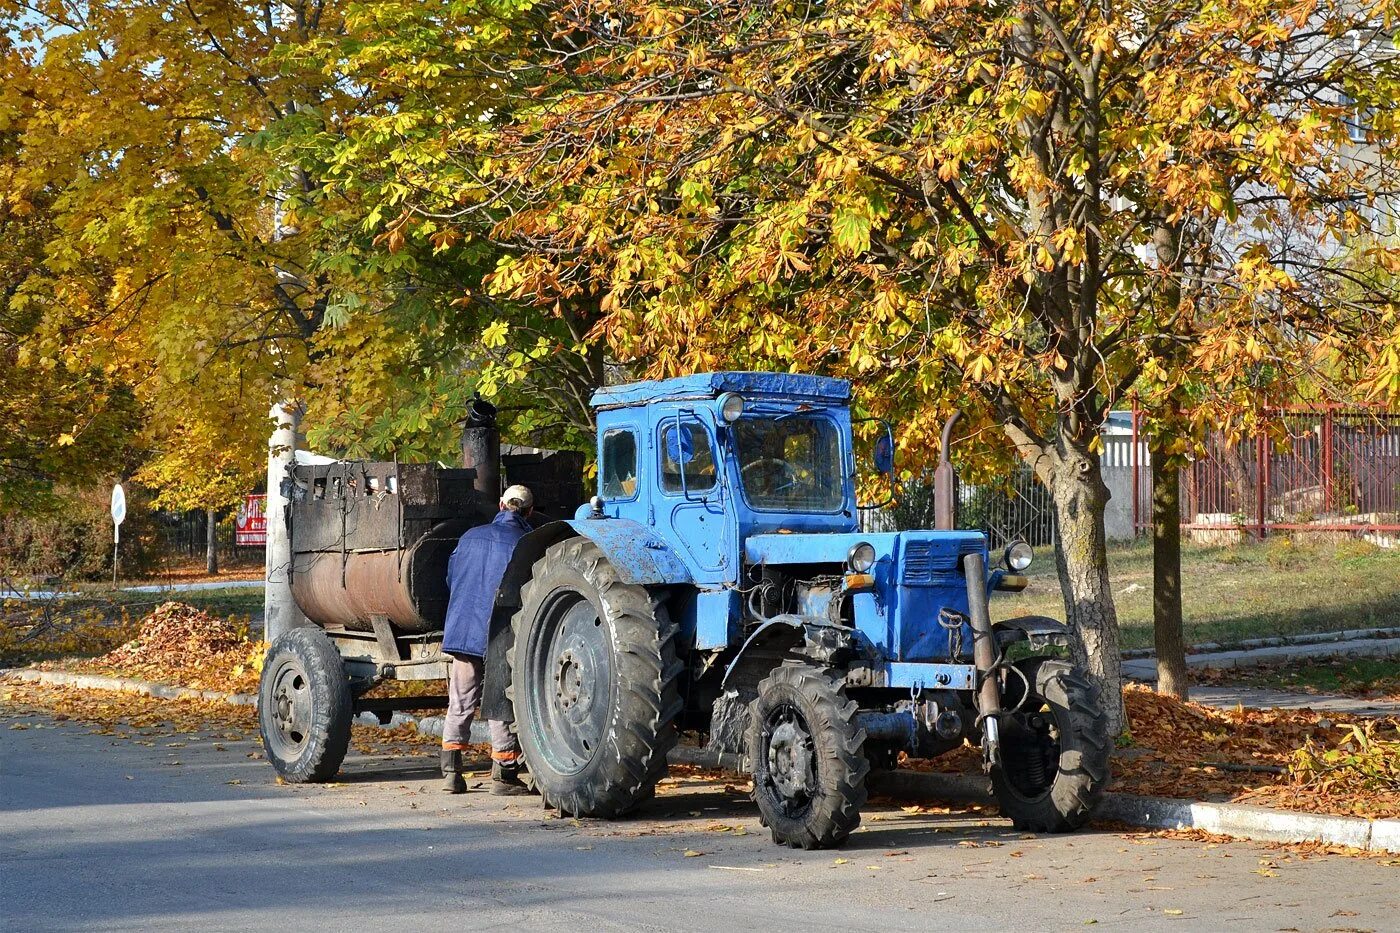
(806, 753)
(594, 681)
(1054, 748)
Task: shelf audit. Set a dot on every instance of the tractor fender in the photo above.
(784, 629)
(766, 646)
(636, 552)
(1035, 629)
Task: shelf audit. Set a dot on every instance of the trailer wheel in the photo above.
(304, 706)
(806, 754)
(1054, 749)
(594, 682)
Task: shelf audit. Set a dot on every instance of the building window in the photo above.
(1358, 118)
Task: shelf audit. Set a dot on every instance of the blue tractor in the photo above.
(719, 582)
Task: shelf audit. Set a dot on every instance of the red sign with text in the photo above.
(250, 526)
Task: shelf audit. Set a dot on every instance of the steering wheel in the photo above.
(789, 478)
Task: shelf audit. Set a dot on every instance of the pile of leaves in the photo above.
(1295, 759)
(179, 644)
(1365, 760)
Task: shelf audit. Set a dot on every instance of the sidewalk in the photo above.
(41, 595)
(1145, 669)
(1264, 698)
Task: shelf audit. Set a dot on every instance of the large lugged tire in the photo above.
(1054, 749)
(806, 753)
(304, 706)
(594, 682)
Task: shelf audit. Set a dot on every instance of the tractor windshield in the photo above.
(792, 463)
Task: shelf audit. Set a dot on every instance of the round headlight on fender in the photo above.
(731, 406)
(1018, 556)
(861, 557)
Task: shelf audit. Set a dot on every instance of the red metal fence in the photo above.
(1337, 471)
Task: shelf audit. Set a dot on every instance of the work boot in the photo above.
(505, 779)
(452, 780)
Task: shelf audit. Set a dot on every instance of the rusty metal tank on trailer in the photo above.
(371, 539)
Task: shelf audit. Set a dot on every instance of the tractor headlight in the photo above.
(731, 406)
(861, 557)
(1018, 556)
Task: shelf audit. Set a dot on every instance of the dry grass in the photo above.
(1285, 586)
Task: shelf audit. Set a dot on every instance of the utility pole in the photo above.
(280, 611)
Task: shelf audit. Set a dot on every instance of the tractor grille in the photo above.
(918, 562)
(936, 561)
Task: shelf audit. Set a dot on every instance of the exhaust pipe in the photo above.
(481, 451)
(945, 482)
(984, 655)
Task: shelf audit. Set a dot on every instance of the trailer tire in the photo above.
(594, 683)
(807, 757)
(1054, 749)
(304, 706)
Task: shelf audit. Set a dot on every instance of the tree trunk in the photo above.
(211, 542)
(1081, 553)
(1166, 578)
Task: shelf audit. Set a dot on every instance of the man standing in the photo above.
(473, 575)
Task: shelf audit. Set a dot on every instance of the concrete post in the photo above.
(280, 612)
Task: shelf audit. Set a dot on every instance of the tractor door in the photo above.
(690, 494)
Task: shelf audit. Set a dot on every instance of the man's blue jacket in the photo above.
(473, 575)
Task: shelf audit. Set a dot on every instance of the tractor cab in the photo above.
(749, 479)
(709, 461)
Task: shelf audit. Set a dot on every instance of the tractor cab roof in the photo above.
(798, 388)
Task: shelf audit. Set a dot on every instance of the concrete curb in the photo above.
(1279, 641)
(1145, 669)
(126, 685)
(1242, 821)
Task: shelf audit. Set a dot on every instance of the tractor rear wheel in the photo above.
(304, 706)
(806, 753)
(594, 681)
(1054, 748)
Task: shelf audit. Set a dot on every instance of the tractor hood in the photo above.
(920, 556)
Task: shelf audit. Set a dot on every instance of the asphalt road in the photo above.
(97, 832)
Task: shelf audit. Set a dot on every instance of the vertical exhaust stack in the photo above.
(945, 482)
(481, 451)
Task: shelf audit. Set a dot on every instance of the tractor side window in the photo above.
(619, 464)
(691, 448)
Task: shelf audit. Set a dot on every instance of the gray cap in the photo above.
(518, 498)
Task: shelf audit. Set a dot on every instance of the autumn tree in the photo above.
(167, 265)
(66, 421)
(401, 199)
(954, 203)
